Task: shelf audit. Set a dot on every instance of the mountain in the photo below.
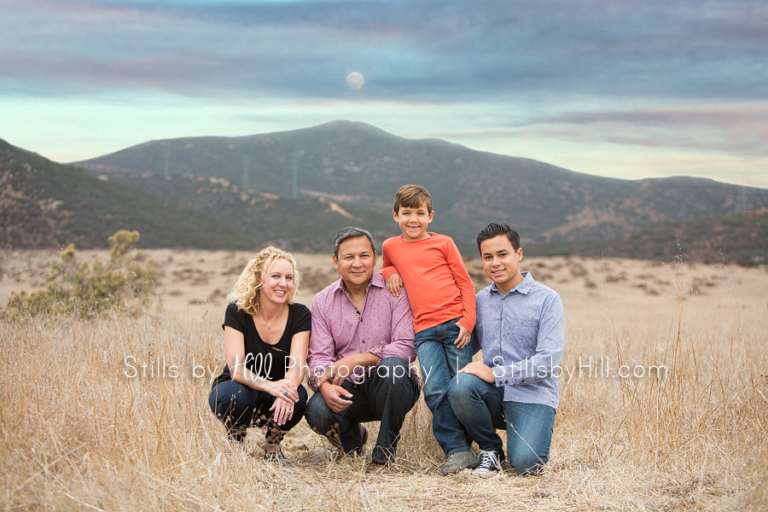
(48, 205)
(741, 239)
(358, 164)
(306, 224)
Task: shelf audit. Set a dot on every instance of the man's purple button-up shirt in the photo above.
(384, 326)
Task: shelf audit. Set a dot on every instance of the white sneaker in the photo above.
(490, 463)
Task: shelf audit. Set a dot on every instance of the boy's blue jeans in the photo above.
(440, 360)
(480, 406)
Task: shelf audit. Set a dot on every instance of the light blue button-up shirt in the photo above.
(521, 334)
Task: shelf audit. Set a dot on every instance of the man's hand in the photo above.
(340, 370)
(335, 397)
(464, 336)
(394, 282)
(479, 369)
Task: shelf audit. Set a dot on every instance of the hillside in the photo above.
(739, 239)
(48, 205)
(306, 224)
(360, 164)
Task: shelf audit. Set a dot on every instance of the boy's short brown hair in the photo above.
(412, 196)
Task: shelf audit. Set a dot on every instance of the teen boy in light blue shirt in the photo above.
(521, 330)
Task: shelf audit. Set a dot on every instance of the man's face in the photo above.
(501, 262)
(356, 261)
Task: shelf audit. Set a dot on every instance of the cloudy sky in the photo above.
(623, 88)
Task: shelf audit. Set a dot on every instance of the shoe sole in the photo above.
(486, 474)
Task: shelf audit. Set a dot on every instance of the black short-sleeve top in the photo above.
(267, 361)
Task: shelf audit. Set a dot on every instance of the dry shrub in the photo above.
(82, 427)
(122, 285)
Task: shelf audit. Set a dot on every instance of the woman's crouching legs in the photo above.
(240, 407)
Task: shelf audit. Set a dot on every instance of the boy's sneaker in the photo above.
(490, 463)
(458, 462)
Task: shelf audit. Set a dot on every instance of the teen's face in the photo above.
(413, 221)
(356, 261)
(501, 262)
(277, 284)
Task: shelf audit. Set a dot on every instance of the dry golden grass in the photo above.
(77, 433)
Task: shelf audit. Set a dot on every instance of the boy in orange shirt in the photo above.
(442, 298)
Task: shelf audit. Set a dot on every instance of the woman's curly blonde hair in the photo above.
(245, 294)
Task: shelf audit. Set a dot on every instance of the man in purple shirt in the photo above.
(360, 354)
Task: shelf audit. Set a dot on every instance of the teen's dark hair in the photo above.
(493, 230)
(351, 232)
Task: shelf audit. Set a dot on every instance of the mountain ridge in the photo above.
(367, 165)
(44, 204)
(741, 239)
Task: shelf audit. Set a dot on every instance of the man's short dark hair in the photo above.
(351, 232)
(493, 230)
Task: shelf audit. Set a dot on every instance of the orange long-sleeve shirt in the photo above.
(435, 278)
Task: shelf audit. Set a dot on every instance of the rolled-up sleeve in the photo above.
(321, 352)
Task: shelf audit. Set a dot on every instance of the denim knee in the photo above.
(317, 413)
(525, 461)
(394, 370)
(222, 399)
(393, 362)
(463, 387)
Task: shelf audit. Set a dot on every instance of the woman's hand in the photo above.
(283, 412)
(284, 390)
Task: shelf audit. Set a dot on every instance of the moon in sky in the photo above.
(355, 80)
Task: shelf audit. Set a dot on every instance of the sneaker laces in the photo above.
(490, 459)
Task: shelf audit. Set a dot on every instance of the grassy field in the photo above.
(84, 426)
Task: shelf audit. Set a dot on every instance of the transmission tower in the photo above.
(246, 174)
(167, 157)
(295, 169)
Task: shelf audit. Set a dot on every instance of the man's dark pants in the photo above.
(386, 397)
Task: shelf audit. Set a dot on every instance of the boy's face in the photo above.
(413, 221)
(501, 262)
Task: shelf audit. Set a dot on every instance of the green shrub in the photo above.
(121, 285)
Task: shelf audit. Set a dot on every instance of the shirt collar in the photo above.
(523, 286)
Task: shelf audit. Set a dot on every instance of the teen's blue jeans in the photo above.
(440, 360)
(481, 409)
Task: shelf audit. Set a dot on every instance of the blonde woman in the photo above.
(266, 337)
